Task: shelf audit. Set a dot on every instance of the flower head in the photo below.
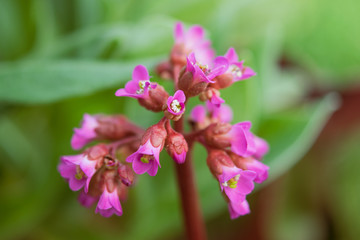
(86, 133)
(236, 183)
(192, 40)
(83, 166)
(236, 68)
(139, 86)
(175, 106)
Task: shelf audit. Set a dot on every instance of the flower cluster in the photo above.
(119, 149)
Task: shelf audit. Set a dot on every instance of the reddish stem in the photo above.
(195, 227)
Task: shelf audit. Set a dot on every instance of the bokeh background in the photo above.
(61, 59)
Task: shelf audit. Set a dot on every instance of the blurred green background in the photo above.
(61, 59)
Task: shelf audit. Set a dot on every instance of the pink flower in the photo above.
(109, 203)
(222, 114)
(237, 209)
(236, 183)
(241, 139)
(146, 159)
(73, 174)
(261, 169)
(138, 87)
(236, 68)
(87, 200)
(192, 40)
(86, 133)
(86, 162)
(202, 72)
(176, 103)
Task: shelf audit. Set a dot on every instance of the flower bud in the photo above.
(176, 145)
(126, 174)
(156, 99)
(216, 135)
(222, 81)
(238, 137)
(213, 95)
(216, 160)
(164, 70)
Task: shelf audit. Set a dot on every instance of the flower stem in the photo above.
(194, 222)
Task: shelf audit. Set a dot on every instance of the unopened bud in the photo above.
(156, 134)
(222, 81)
(176, 145)
(216, 160)
(216, 135)
(164, 70)
(126, 174)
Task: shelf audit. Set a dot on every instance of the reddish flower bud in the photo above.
(164, 70)
(213, 95)
(126, 174)
(216, 135)
(176, 145)
(222, 81)
(156, 99)
(216, 160)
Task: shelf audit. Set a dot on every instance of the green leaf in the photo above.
(291, 134)
(44, 82)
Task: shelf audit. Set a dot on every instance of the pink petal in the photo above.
(140, 73)
(86, 200)
(238, 209)
(248, 72)
(180, 96)
(179, 32)
(194, 35)
(139, 167)
(231, 55)
(198, 114)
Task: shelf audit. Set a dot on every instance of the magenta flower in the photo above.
(86, 133)
(242, 140)
(261, 169)
(199, 114)
(73, 174)
(236, 183)
(237, 209)
(139, 86)
(202, 72)
(109, 203)
(87, 161)
(146, 159)
(193, 40)
(236, 68)
(176, 103)
(87, 200)
(221, 114)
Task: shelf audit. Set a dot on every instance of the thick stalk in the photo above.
(194, 222)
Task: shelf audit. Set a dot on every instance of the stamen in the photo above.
(236, 71)
(79, 173)
(175, 106)
(204, 68)
(142, 85)
(146, 158)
